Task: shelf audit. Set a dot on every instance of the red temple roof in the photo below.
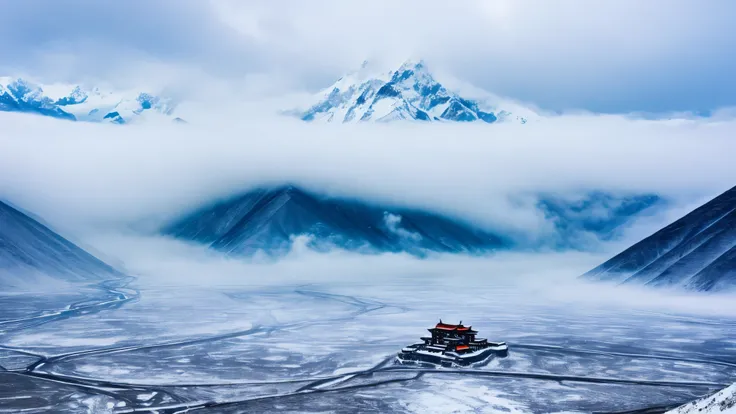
(450, 327)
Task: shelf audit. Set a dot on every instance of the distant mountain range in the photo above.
(407, 93)
(28, 249)
(697, 252)
(75, 103)
(595, 214)
(268, 219)
(410, 93)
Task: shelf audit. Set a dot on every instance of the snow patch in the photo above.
(460, 396)
(723, 401)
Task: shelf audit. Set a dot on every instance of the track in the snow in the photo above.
(116, 288)
(324, 384)
(312, 388)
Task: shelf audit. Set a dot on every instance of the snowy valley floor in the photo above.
(275, 342)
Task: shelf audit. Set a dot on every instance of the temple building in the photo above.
(452, 345)
(454, 338)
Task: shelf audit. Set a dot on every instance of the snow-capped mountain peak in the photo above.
(415, 70)
(409, 92)
(77, 103)
(75, 97)
(19, 95)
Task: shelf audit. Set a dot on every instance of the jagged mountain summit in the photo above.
(407, 93)
(268, 219)
(75, 103)
(697, 252)
(29, 249)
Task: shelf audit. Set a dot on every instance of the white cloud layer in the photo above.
(520, 278)
(78, 175)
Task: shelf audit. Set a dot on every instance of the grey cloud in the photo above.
(614, 56)
(78, 38)
(609, 56)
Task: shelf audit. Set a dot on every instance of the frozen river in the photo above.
(330, 347)
(319, 333)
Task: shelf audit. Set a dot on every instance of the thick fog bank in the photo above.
(531, 278)
(81, 178)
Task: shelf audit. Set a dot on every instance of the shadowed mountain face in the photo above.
(697, 252)
(29, 248)
(266, 220)
(599, 214)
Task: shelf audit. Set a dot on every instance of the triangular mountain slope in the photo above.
(696, 251)
(266, 219)
(28, 249)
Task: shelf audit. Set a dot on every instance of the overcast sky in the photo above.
(603, 56)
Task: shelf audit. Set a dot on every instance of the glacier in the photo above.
(410, 92)
(77, 103)
(697, 252)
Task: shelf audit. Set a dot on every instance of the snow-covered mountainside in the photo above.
(407, 93)
(697, 252)
(76, 103)
(722, 402)
(267, 219)
(28, 249)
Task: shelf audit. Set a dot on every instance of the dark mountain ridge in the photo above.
(266, 219)
(697, 252)
(29, 248)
